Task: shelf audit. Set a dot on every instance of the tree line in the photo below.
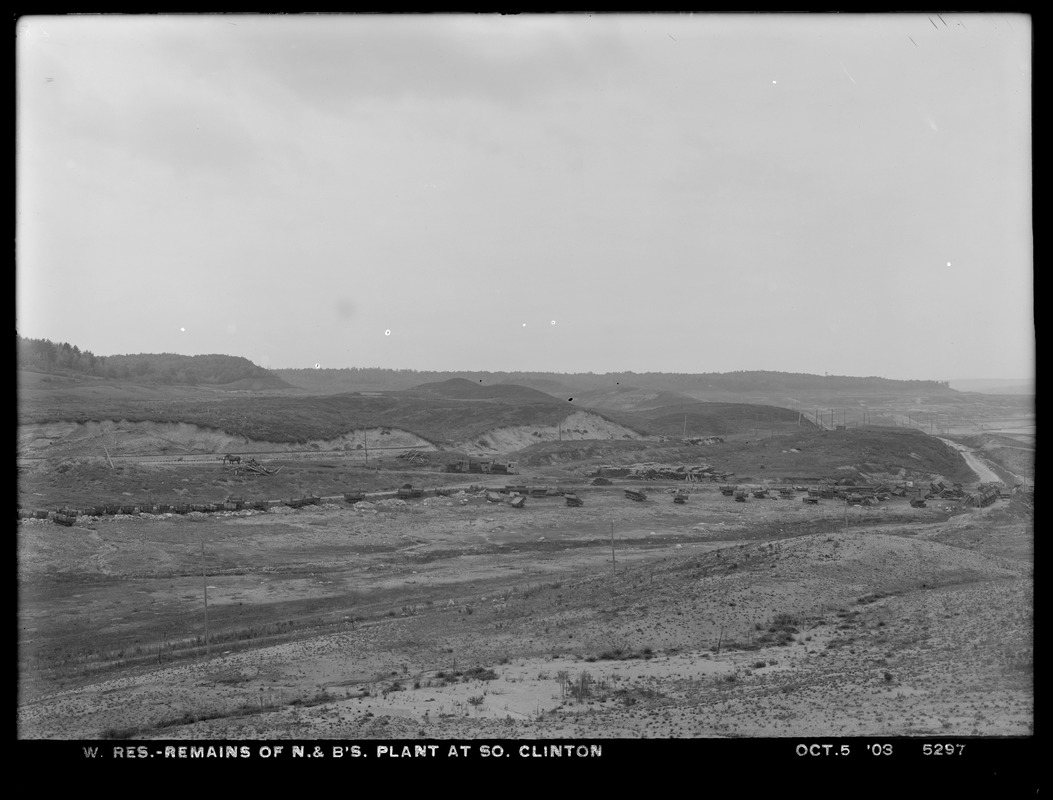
(43, 355)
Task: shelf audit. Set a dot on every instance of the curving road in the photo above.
(983, 472)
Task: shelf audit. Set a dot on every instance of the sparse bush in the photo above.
(581, 688)
(480, 674)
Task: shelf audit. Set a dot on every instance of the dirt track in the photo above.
(976, 464)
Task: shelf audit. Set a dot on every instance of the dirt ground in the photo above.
(458, 618)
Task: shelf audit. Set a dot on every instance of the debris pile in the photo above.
(252, 466)
(651, 471)
(484, 466)
(413, 457)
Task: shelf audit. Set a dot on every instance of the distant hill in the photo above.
(558, 384)
(64, 359)
(696, 418)
(630, 398)
(463, 389)
(994, 386)
(208, 370)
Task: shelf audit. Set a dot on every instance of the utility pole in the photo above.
(204, 584)
(365, 438)
(614, 569)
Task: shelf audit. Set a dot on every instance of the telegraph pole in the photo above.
(204, 584)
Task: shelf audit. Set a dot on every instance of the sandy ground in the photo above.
(450, 619)
(121, 439)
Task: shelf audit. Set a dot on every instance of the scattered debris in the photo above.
(252, 466)
(652, 471)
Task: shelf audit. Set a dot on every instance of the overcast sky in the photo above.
(806, 193)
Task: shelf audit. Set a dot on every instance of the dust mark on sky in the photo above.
(849, 74)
